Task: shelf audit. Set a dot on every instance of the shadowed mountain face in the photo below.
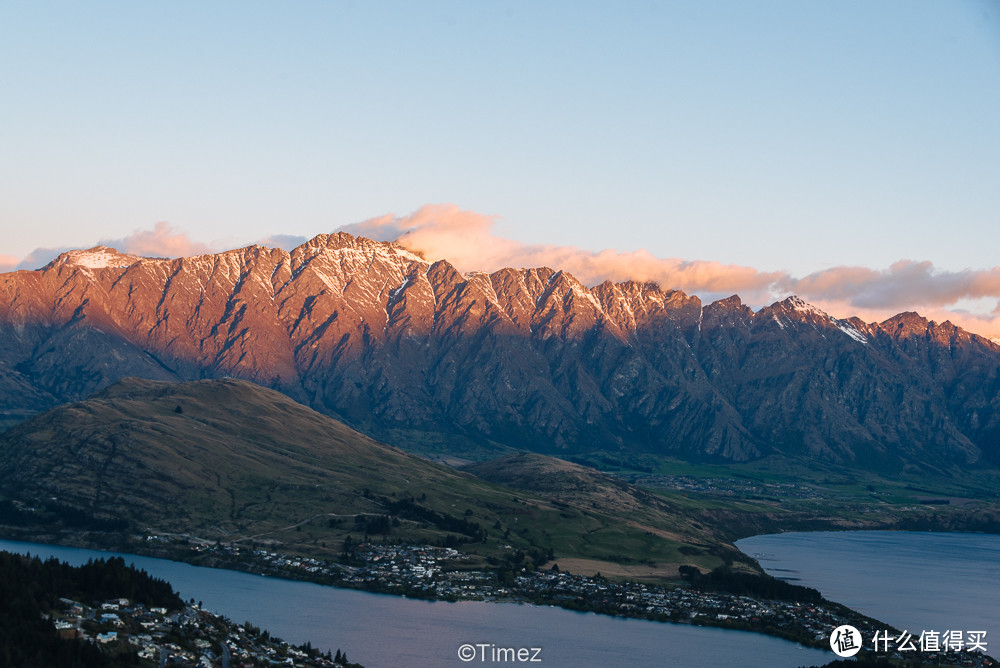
(415, 352)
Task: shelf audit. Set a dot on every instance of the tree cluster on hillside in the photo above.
(52, 512)
(747, 584)
(408, 508)
(30, 587)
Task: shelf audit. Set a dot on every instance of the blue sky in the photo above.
(794, 137)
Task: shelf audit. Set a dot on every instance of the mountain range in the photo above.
(427, 358)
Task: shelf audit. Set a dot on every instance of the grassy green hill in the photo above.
(226, 460)
(629, 532)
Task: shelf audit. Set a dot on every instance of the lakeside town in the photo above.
(443, 573)
(188, 637)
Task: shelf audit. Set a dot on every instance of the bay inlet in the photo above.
(913, 580)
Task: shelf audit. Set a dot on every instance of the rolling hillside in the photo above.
(232, 461)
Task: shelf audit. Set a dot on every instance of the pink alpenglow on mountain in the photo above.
(531, 358)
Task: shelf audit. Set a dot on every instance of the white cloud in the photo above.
(8, 262)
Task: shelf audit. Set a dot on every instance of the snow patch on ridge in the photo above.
(803, 307)
(395, 293)
(100, 257)
(413, 257)
(588, 295)
(853, 333)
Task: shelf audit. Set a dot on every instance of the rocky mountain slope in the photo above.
(418, 354)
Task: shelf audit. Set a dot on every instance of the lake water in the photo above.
(379, 630)
(915, 581)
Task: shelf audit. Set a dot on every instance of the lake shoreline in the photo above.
(428, 633)
(924, 582)
(722, 620)
(628, 600)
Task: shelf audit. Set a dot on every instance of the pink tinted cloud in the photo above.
(161, 241)
(874, 294)
(8, 262)
(905, 281)
(466, 239)
(38, 258)
(984, 324)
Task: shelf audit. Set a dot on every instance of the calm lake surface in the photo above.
(917, 581)
(379, 630)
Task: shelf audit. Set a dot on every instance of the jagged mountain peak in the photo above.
(799, 304)
(98, 257)
(794, 304)
(341, 241)
(794, 312)
(372, 333)
(731, 303)
(906, 324)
